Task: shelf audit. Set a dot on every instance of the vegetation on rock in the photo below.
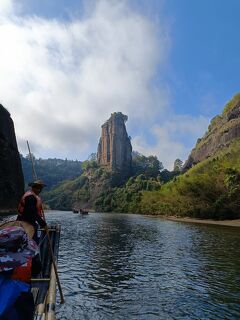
(223, 129)
(235, 100)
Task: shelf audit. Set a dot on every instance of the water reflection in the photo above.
(112, 250)
(218, 255)
(135, 267)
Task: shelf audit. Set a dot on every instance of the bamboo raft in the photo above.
(44, 286)
(83, 211)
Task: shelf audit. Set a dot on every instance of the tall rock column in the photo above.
(114, 148)
(11, 175)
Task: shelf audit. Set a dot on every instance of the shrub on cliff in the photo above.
(231, 103)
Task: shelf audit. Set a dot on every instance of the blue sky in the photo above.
(205, 51)
(169, 65)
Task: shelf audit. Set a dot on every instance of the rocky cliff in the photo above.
(114, 148)
(11, 176)
(222, 130)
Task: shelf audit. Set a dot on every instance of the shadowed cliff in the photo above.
(11, 176)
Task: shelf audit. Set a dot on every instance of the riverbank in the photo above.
(228, 223)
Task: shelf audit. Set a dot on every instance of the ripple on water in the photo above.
(116, 266)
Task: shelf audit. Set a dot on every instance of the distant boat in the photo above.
(75, 211)
(83, 211)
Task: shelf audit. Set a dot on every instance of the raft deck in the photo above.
(44, 286)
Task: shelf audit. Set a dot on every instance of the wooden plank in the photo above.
(40, 279)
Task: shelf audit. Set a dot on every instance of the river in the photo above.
(122, 266)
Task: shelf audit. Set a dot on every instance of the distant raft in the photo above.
(44, 286)
(83, 211)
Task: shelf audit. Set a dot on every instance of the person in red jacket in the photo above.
(30, 208)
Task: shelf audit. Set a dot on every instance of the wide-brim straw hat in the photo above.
(15, 248)
(37, 183)
(25, 225)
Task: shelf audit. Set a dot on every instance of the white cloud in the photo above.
(61, 81)
(6, 6)
(173, 138)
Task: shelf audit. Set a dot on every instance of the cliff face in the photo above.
(11, 176)
(222, 130)
(114, 148)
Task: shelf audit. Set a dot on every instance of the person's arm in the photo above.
(40, 221)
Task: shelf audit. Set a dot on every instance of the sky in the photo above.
(65, 66)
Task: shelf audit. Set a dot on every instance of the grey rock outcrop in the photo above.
(114, 148)
(11, 176)
(222, 130)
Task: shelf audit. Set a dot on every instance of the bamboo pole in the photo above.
(54, 266)
(33, 168)
(40, 311)
(51, 298)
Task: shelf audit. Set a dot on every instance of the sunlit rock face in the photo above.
(11, 176)
(222, 130)
(114, 148)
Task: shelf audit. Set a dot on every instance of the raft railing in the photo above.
(46, 283)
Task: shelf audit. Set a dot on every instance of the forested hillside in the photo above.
(209, 190)
(100, 189)
(51, 171)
